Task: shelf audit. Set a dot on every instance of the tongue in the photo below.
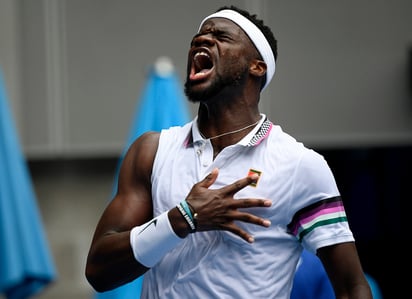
(199, 75)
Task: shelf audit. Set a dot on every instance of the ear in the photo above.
(258, 68)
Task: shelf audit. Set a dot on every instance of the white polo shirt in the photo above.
(306, 210)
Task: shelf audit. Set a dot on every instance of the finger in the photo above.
(250, 203)
(240, 184)
(210, 178)
(238, 231)
(249, 218)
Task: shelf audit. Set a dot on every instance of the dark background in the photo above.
(374, 185)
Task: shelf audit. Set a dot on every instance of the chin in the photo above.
(205, 91)
(195, 97)
(195, 94)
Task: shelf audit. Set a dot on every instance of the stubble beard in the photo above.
(218, 84)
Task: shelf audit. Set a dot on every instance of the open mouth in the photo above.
(201, 66)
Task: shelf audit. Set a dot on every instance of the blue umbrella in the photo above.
(26, 266)
(162, 105)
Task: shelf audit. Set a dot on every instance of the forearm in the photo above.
(358, 291)
(118, 258)
(111, 263)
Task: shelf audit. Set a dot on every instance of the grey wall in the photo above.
(343, 68)
(75, 69)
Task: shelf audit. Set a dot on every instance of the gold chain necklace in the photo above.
(231, 132)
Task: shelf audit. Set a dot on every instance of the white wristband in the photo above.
(152, 240)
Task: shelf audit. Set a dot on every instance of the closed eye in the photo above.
(223, 35)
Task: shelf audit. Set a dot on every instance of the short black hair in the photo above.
(267, 32)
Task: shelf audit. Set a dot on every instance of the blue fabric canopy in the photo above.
(26, 265)
(162, 105)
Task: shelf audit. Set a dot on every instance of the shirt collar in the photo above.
(253, 138)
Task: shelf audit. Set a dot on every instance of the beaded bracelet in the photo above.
(188, 218)
(186, 207)
(193, 212)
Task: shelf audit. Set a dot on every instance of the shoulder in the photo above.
(177, 131)
(174, 136)
(146, 144)
(291, 151)
(141, 153)
(285, 143)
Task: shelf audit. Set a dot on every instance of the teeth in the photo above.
(202, 54)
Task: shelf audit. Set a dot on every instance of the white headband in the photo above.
(254, 34)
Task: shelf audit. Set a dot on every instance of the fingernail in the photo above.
(254, 176)
(251, 240)
(266, 223)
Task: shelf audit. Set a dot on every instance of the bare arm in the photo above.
(110, 262)
(345, 272)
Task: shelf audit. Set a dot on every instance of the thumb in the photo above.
(210, 178)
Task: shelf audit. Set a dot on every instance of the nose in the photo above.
(203, 40)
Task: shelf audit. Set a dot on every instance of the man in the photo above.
(222, 207)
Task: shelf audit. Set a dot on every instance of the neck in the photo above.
(231, 132)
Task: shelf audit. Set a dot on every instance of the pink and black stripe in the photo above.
(324, 212)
